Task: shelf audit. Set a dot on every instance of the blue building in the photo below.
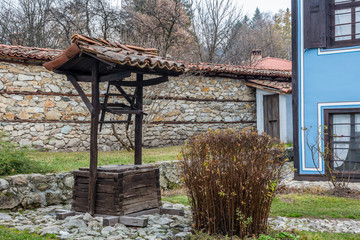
(326, 87)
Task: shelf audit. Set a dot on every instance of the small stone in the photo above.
(93, 224)
(163, 221)
(182, 235)
(25, 142)
(66, 129)
(9, 116)
(19, 180)
(32, 201)
(5, 217)
(75, 223)
(69, 182)
(59, 143)
(3, 184)
(73, 143)
(88, 218)
(107, 230)
(49, 104)
(53, 115)
(22, 77)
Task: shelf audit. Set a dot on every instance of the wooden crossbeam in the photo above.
(83, 96)
(146, 83)
(119, 76)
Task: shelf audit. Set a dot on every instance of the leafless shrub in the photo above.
(231, 176)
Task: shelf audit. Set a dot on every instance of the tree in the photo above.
(263, 32)
(258, 17)
(212, 25)
(25, 22)
(283, 25)
(157, 23)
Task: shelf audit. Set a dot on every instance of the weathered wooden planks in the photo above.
(120, 189)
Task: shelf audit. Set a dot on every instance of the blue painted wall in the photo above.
(327, 79)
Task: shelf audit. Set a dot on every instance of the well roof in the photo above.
(114, 52)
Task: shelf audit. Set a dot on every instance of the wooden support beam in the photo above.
(94, 136)
(105, 78)
(119, 76)
(122, 91)
(146, 83)
(138, 120)
(83, 96)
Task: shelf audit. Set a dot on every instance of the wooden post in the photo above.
(94, 135)
(138, 121)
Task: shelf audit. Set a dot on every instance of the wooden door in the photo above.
(271, 115)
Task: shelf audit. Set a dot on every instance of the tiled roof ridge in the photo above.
(215, 68)
(81, 38)
(27, 47)
(18, 52)
(281, 59)
(112, 51)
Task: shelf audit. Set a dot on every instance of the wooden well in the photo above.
(120, 189)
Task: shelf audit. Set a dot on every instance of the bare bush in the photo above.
(231, 176)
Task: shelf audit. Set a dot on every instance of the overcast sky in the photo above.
(249, 6)
(273, 6)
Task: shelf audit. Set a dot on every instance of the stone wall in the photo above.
(36, 190)
(42, 109)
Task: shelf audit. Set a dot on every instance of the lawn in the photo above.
(68, 161)
(13, 234)
(303, 205)
(300, 235)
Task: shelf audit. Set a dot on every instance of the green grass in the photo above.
(68, 161)
(307, 205)
(303, 205)
(177, 199)
(298, 235)
(13, 234)
(327, 236)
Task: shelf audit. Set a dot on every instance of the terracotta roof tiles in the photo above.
(236, 71)
(277, 86)
(273, 63)
(115, 52)
(27, 54)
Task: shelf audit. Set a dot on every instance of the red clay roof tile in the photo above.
(273, 63)
(272, 85)
(27, 54)
(117, 53)
(236, 71)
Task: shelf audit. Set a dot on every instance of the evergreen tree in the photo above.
(258, 16)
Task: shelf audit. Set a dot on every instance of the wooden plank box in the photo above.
(120, 189)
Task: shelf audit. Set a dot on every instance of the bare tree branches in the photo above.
(212, 30)
(212, 25)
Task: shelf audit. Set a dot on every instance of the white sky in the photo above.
(249, 6)
(273, 6)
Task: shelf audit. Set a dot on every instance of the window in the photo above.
(331, 23)
(344, 139)
(344, 22)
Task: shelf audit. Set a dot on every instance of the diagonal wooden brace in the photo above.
(78, 88)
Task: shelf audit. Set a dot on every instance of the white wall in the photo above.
(285, 114)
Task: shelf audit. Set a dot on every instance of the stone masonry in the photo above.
(42, 109)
